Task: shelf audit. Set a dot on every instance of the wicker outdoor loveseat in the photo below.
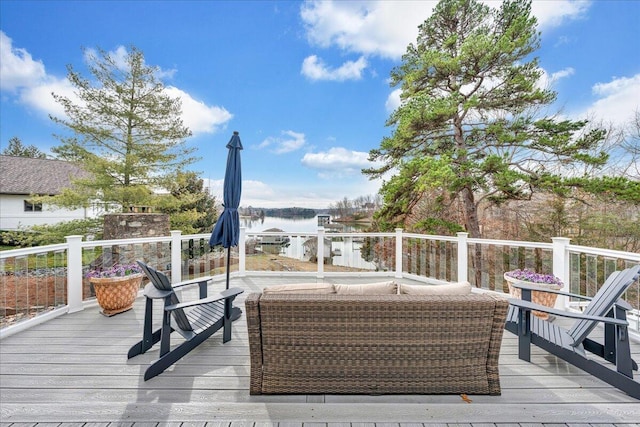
(347, 343)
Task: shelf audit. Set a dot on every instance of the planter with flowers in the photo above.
(116, 287)
(530, 277)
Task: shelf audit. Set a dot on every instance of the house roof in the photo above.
(27, 175)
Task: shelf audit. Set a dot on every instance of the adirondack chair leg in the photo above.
(610, 339)
(149, 338)
(165, 338)
(624, 363)
(623, 353)
(524, 335)
(609, 351)
(203, 289)
(226, 333)
(524, 330)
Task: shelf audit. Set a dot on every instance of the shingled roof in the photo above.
(26, 175)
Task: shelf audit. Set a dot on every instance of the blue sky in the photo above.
(305, 83)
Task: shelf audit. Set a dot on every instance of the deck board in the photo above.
(73, 370)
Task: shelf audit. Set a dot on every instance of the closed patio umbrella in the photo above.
(226, 232)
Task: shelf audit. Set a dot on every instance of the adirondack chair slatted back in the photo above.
(612, 289)
(162, 283)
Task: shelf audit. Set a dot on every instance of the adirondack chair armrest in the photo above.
(522, 285)
(226, 294)
(527, 305)
(192, 281)
(152, 292)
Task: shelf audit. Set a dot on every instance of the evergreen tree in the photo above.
(190, 206)
(124, 129)
(17, 148)
(469, 125)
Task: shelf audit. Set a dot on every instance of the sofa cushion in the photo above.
(300, 288)
(379, 288)
(461, 288)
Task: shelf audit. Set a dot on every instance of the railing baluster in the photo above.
(398, 254)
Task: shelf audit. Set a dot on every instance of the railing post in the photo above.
(74, 273)
(320, 252)
(463, 257)
(242, 251)
(176, 256)
(561, 266)
(399, 253)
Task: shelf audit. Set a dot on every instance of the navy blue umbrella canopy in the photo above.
(227, 230)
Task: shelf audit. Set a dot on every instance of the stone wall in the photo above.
(134, 225)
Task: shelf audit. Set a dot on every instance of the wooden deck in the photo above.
(73, 370)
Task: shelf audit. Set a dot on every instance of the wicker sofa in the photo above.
(351, 343)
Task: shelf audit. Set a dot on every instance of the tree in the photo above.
(125, 130)
(469, 124)
(49, 234)
(16, 148)
(191, 207)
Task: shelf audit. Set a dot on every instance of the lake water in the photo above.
(290, 225)
(343, 252)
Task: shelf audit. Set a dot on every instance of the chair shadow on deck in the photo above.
(572, 344)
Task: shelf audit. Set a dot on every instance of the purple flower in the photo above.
(531, 276)
(117, 270)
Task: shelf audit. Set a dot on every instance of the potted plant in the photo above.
(530, 277)
(116, 287)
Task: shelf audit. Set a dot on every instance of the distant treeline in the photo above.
(278, 212)
(290, 212)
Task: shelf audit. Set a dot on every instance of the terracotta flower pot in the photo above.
(116, 294)
(543, 298)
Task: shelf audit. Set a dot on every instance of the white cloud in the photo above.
(17, 67)
(393, 101)
(39, 96)
(555, 13)
(27, 78)
(372, 27)
(315, 69)
(617, 102)
(367, 27)
(288, 142)
(337, 162)
(198, 116)
(548, 80)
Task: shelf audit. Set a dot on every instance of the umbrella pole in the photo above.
(228, 265)
(236, 312)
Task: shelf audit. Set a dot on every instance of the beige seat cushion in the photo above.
(461, 288)
(380, 288)
(300, 288)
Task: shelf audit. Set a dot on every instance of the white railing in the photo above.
(42, 282)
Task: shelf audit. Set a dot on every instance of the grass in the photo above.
(273, 262)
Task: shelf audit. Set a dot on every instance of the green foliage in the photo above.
(467, 123)
(124, 130)
(190, 206)
(40, 235)
(17, 148)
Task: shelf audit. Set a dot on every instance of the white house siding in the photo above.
(13, 216)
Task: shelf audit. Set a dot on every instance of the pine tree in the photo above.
(469, 125)
(17, 148)
(124, 129)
